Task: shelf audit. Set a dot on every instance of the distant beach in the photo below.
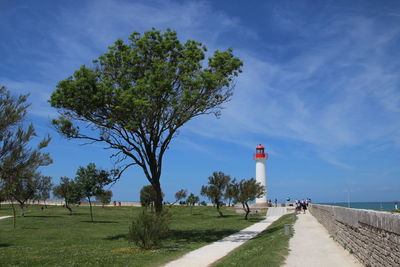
(366, 205)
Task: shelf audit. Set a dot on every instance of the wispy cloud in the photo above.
(334, 85)
(338, 92)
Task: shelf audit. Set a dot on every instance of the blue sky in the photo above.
(320, 89)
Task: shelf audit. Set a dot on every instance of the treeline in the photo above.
(21, 181)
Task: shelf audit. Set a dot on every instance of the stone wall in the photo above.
(372, 236)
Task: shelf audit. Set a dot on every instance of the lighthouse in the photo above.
(261, 157)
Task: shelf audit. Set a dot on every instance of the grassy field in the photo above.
(269, 248)
(53, 238)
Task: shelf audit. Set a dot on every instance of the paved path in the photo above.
(206, 255)
(4, 217)
(311, 246)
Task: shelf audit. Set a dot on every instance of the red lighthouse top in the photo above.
(260, 154)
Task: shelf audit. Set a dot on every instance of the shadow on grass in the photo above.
(4, 245)
(195, 236)
(115, 237)
(42, 216)
(100, 222)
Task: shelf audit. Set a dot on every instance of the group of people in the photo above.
(270, 203)
(302, 205)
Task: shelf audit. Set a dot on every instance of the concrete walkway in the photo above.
(209, 254)
(311, 246)
(5, 217)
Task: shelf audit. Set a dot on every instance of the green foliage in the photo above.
(248, 190)
(181, 194)
(104, 196)
(149, 228)
(69, 191)
(12, 111)
(44, 187)
(217, 184)
(231, 191)
(29, 187)
(147, 196)
(20, 179)
(91, 181)
(140, 93)
(192, 199)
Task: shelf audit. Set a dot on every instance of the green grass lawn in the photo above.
(53, 237)
(269, 248)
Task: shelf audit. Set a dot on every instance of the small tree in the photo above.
(91, 181)
(192, 200)
(140, 93)
(230, 191)
(44, 187)
(24, 189)
(104, 197)
(248, 190)
(181, 194)
(19, 162)
(147, 196)
(148, 229)
(69, 191)
(216, 188)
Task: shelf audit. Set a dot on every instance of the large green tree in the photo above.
(19, 161)
(217, 184)
(91, 182)
(138, 94)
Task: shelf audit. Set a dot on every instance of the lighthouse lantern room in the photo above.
(260, 157)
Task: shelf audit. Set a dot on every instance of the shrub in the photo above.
(148, 229)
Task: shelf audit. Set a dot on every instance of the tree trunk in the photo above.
(14, 214)
(158, 203)
(247, 209)
(21, 206)
(68, 207)
(90, 205)
(219, 212)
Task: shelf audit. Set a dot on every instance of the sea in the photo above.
(366, 205)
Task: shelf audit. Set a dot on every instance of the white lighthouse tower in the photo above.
(261, 157)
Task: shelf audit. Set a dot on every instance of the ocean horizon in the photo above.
(387, 206)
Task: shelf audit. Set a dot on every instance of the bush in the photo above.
(148, 229)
